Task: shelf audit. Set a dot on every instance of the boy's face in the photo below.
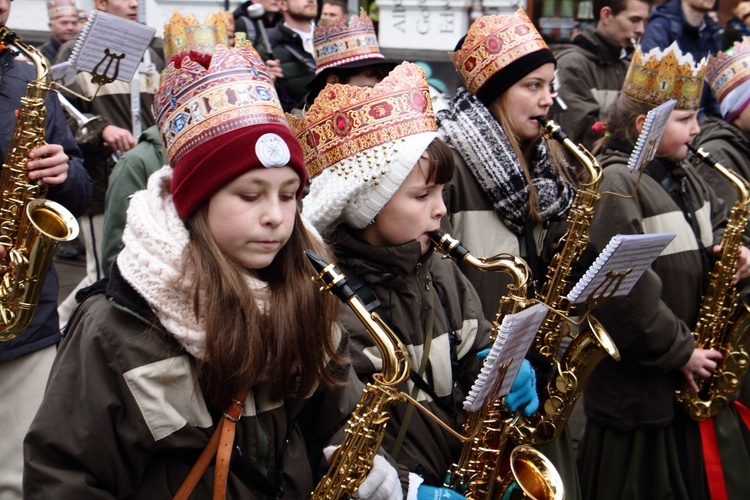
(681, 129)
(252, 217)
(333, 13)
(413, 211)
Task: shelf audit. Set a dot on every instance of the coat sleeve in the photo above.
(642, 326)
(75, 193)
(85, 441)
(576, 82)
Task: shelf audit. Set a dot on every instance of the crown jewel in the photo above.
(183, 35)
(345, 121)
(195, 104)
(658, 76)
(338, 43)
(491, 44)
(726, 72)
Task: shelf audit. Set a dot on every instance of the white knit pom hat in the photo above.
(361, 143)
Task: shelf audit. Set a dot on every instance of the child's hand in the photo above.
(743, 263)
(523, 391)
(701, 364)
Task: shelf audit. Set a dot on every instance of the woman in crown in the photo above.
(209, 337)
(512, 189)
(638, 443)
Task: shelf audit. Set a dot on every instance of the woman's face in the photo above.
(414, 210)
(529, 98)
(681, 129)
(252, 217)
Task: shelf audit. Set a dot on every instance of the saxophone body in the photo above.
(592, 344)
(484, 470)
(723, 319)
(352, 460)
(30, 226)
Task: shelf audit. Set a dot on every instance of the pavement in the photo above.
(71, 271)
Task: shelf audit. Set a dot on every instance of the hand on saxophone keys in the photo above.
(48, 163)
(701, 364)
(742, 270)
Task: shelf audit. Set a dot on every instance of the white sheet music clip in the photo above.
(618, 267)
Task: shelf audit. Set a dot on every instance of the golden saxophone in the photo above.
(30, 226)
(483, 470)
(353, 459)
(587, 348)
(723, 317)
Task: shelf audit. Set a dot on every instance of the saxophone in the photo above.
(723, 319)
(30, 226)
(589, 347)
(351, 462)
(483, 471)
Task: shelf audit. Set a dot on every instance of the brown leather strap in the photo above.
(219, 446)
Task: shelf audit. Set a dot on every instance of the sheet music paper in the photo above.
(119, 35)
(623, 252)
(648, 141)
(513, 341)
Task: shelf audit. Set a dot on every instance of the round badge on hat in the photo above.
(272, 151)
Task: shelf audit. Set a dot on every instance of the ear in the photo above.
(605, 15)
(100, 4)
(639, 121)
(332, 79)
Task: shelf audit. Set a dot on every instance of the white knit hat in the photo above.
(361, 143)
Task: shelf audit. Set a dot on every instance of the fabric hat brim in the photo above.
(319, 80)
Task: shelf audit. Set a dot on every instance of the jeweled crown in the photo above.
(183, 35)
(727, 71)
(660, 75)
(491, 44)
(57, 8)
(338, 43)
(195, 104)
(346, 121)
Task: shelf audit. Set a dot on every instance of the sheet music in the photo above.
(513, 341)
(623, 252)
(119, 35)
(648, 141)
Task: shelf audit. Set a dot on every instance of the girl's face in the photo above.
(528, 98)
(413, 211)
(252, 217)
(681, 129)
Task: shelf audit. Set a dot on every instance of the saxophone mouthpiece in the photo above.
(551, 129)
(448, 245)
(329, 275)
(700, 155)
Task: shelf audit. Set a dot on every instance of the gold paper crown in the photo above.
(186, 34)
(57, 8)
(341, 43)
(194, 105)
(658, 76)
(492, 43)
(726, 72)
(345, 121)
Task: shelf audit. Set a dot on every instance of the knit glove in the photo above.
(523, 391)
(381, 483)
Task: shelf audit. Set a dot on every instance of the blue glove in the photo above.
(483, 354)
(523, 391)
(432, 493)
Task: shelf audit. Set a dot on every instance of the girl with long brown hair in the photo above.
(209, 319)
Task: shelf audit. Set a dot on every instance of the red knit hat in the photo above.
(221, 122)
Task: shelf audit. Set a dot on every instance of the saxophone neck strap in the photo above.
(220, 447)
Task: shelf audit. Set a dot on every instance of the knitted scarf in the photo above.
(469, 127)
(151, 262)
